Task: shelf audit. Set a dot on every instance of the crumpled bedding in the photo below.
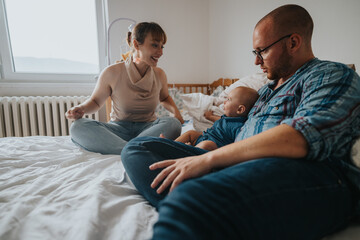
(51, 189)
(196, 104)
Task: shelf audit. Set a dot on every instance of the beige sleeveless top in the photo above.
(135, 98)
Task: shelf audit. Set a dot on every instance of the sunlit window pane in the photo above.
(53, 36)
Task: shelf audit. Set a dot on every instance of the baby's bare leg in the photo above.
(207, 145)
(189, 137)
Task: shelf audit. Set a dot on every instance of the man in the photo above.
(288, 175)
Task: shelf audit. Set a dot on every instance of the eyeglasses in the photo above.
(258, 53)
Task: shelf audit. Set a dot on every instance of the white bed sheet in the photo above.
(51, 189)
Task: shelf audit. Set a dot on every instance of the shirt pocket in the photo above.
(284, 106)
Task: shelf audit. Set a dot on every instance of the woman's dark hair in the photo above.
(142, 29)
(140, 32)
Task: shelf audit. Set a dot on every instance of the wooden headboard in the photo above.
(205, 88)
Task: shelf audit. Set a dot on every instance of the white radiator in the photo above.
(31, 116)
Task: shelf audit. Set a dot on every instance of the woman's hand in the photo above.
(178, 170)
(179, 117)
(75, 113)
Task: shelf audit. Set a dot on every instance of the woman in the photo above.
(135, 86)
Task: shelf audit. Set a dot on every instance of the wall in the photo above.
(185, 22)
(231, 23)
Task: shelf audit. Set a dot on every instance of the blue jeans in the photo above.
(111, 137)
(270, 198)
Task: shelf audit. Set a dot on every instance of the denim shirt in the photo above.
(224, 130)
(322, 101)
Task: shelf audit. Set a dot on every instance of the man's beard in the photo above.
(282, 68)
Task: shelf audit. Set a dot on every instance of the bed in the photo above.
(51, 189)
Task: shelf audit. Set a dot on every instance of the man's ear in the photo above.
(295, 42)
(241, 109)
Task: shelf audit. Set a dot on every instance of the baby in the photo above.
(224, 131)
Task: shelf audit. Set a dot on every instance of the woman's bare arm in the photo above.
(101, 92)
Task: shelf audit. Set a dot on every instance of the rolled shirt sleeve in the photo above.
(329, 110)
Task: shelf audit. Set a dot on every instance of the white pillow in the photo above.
(196, 104)
(217, 91)
(254, 81)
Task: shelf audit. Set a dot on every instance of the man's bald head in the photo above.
(289, 19)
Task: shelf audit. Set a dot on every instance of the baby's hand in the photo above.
(208, 114)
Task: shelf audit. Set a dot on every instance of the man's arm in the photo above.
(281, 141)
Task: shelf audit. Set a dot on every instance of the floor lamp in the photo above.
(131, 26)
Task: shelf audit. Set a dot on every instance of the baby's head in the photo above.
(239, 102)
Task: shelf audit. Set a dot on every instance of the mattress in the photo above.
(51, 189)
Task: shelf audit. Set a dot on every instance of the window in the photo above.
(52, 39)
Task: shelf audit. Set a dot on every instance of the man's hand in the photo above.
(263, 145)
(178, 170)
